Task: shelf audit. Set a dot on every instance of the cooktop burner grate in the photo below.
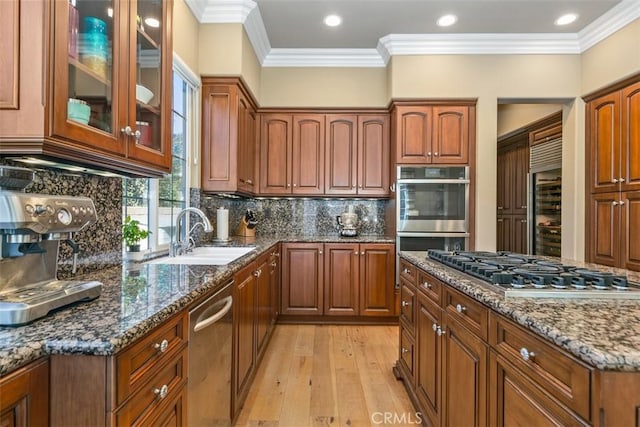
(526, 276)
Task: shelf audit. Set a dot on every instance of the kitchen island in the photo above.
(471, 356)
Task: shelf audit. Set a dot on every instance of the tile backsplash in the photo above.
(308, 217)
(100, 243)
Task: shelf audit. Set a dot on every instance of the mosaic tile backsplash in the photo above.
(101, 243)
(304, 217)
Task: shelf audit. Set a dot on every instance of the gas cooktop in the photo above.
(527, 276)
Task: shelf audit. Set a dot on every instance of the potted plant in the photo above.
(132, 234)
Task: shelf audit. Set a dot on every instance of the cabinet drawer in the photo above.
(467, 311)
(142, 359)
(406, 351)
(407, 304)
(158, 392)
(408, 271)
(430, 286)
(561, 375)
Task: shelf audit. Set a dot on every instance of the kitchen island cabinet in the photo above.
(531, 374)
(24, 396)
(123, 88)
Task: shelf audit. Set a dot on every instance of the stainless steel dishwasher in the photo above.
(210, 349)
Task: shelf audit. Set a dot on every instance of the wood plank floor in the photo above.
(320, 375)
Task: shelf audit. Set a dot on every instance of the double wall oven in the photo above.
(432, 208)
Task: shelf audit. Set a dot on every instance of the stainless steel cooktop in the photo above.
(526, 276)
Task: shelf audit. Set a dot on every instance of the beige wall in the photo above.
(612, 59)
(323, 87)
(515, 116)
(220, 49)
(251, 69)
(185, 34)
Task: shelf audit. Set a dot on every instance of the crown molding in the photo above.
(323, 58)
(615, 19)
(221, 11)
(247, 13)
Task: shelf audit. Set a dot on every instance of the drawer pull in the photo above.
(162, 391)
(162, 346)
(274, 264)
(405, 303)
(434, 327)
(526, 354)
(426, 285)
(404, 350)
(461, 308)
(440, 332)
(406, 271)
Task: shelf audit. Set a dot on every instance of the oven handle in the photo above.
(403, 234)
(201, 324)
(433, 181)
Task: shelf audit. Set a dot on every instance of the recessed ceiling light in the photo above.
(566, 19)
(152, 22)
(447, 20)
(332, 20)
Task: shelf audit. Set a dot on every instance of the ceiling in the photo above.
(292, 32)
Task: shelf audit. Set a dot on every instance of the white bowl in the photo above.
(143, 94)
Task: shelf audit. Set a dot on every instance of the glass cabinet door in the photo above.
(86, 57)
(149, 80)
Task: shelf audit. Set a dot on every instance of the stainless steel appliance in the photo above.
(31, 228)
(210, 352)
(517, 275)
(432, 209)
(348, 223)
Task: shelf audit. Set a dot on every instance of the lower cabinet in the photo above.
(338, 279)
(24, 396)
(253, 320)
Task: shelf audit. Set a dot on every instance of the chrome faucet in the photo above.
(178, 246)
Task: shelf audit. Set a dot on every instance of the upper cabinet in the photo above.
(436, 134)
(357, 155)
(229, 129)
(100, 93)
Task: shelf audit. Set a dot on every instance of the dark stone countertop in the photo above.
(136, 298)
(603, 333)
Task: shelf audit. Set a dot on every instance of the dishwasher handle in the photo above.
(201, 324)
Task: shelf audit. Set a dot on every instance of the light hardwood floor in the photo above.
(319, 375)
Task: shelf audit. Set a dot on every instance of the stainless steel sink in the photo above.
(206, 255)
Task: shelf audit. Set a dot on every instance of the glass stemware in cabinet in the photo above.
(90, 63)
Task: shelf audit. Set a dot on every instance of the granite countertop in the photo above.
(135, 298)
(602, 333)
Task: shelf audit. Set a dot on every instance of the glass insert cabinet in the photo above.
(112, 78)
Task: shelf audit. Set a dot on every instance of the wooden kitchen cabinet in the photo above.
(264, 294)
(377, 276)
(24, 396)
(302, 278)
(427, 133)
(341, 279)
(124, 132)
(357, 155)
(292, 154)
(128, 388)
(228, 137)
(428, 384)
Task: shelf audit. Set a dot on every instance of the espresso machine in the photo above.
(31, 229)
(348, 223)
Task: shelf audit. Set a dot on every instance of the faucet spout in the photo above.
(178, 245)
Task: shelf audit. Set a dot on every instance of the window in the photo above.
(156, 202)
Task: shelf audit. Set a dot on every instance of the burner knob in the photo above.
(526, 354)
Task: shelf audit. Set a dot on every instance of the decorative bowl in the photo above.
(143, 94)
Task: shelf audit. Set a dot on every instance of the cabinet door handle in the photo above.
(615, 181)
(621, 202)
(614, 203)
(250, 182)
(500, 208)
(404, 350)
(526, 354)
(320, 252)
(523, 207)
(127, 130)
(162, 346)
(355, 253)
(435, 154)
(440, 332)
(162, 391)
(434, 327)
(621, 180)
(405, 303)
(274, 264)
(523, 220)
(295, 185)
(288, 185)
(500, 220)
(461, 308)
(392, 188)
